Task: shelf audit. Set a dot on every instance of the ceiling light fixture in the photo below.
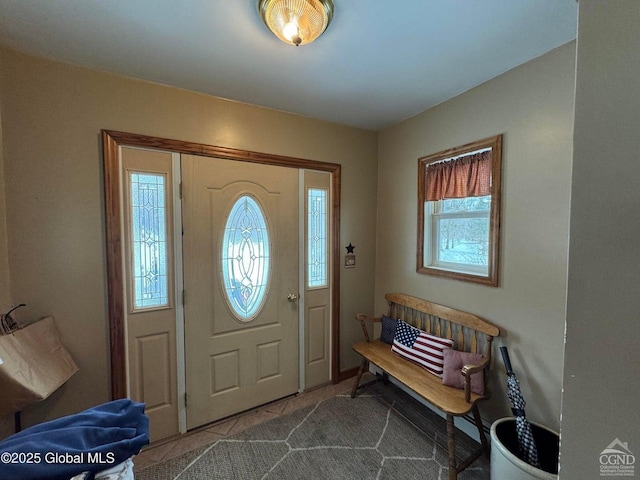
(296, 22)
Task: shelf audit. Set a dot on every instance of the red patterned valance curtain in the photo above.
(468, 176)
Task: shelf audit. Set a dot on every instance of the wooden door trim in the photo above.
(111, 143)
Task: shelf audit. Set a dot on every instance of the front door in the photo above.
(240, 254)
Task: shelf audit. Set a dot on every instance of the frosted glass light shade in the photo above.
(296, 22)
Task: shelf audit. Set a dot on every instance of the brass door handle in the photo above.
(292, 297)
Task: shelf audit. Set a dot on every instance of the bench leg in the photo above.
(451, 444)
(358, 377)
(486, 447)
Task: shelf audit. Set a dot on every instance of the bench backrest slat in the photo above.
(440, 311)
(470, 332)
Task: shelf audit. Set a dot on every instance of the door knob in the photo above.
(292, 297)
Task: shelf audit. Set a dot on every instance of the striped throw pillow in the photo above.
(420, 347)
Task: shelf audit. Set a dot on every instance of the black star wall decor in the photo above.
(350, 257)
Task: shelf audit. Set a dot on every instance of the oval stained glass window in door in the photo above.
(245, 258)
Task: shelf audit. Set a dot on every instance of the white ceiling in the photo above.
(378, 63)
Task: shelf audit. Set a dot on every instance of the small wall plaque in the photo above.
(350, 257)
(350, 260)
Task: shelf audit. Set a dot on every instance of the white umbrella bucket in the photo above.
(505, 463)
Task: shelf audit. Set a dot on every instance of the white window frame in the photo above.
(433, 211)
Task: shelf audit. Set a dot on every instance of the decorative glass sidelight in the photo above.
(317, 238)
(149, 240)
(245, 258)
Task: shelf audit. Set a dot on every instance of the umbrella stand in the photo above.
(526, 442)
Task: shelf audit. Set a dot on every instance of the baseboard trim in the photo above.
(346, 374)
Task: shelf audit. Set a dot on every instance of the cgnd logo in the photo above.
(617, 460)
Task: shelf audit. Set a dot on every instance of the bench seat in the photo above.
(448, 399)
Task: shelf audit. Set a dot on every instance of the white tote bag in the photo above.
(33, 365)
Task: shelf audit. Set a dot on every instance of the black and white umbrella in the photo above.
(526, 442)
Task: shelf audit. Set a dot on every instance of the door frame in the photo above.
(111, 143)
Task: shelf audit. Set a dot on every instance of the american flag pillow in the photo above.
(420, 347)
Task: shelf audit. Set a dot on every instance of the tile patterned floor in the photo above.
(422, 418)
(165, 450)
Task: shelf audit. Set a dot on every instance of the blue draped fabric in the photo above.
(93, 440)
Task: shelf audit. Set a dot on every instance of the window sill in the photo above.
(482, 279)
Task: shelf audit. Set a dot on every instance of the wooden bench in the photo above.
(470, 333)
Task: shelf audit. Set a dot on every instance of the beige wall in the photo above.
(5, 298)
(603, 324)
(53, 114)
(6, 423)
(532, 106)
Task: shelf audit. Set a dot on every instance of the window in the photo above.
(149, 232)
(317, 237)
(245, 258)
(459, 212)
